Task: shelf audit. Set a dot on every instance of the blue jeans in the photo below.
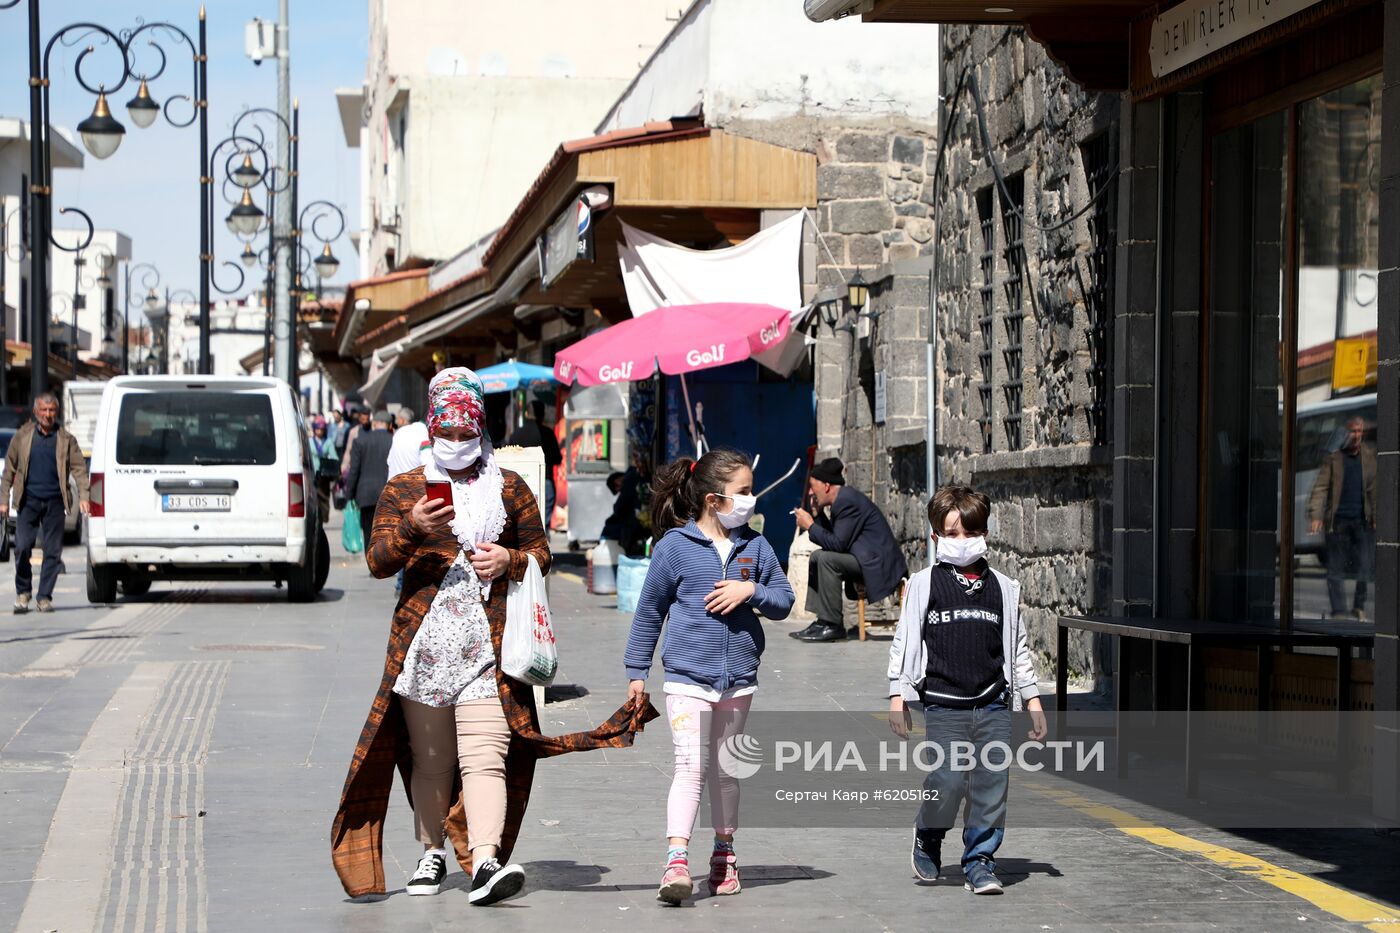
(983, 788)
(548, 515)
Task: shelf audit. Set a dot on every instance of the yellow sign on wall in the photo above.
(1354, 362)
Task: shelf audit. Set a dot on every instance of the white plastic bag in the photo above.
(528, 651)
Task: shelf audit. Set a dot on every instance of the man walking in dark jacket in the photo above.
(856, 545)
(369, 469)
(41, 459)
(1343, 505)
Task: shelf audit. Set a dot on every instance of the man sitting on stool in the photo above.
(856, 545)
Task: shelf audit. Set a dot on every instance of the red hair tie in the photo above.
(692, 466)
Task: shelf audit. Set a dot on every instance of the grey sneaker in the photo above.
(924, 857)
(21, 604)
(979, 879)
(45, 605)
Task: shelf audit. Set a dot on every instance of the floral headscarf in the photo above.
(456, 400)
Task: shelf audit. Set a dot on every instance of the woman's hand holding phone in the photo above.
(430, 514)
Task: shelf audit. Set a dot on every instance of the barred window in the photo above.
(1099, 163)
(1014, 252)
(987, 291)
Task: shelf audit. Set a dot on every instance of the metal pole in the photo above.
(282, 224)
(39, 219)
(126, 322)
(165, 337)
(206, 251)
(268, 283)
(78, 262)
(294, 252)
(4, 324)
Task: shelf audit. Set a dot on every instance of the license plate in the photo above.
(195, 503)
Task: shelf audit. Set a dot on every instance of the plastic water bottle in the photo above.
(603, 568)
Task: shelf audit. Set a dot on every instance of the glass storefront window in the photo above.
(1293, 258)
(1334, 461)
(1245, 385)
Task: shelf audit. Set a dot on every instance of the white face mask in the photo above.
(961, 552)
(739, 515)
(456, 455)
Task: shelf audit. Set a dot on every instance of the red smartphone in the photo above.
(440, 492)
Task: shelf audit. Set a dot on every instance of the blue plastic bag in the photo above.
(351, 536)
(631, 574)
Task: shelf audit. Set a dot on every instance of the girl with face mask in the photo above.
(442, 694)
(712, 577)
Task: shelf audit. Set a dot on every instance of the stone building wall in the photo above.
(874, 216)
(1037, 322)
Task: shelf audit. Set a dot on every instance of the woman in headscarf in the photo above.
(464, 737)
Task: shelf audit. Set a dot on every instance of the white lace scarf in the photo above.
(479, 504)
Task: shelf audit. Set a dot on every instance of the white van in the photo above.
(202, 478)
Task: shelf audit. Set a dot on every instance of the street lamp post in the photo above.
(7, 252)
(101, 134)
(149, 281)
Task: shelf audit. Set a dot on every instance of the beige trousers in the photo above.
(473, 737)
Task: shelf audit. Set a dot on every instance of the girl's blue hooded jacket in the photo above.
(705, 648)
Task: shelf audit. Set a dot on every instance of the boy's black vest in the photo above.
(962, 632)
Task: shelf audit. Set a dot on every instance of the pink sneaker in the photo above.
(676, 885)
(724, 874)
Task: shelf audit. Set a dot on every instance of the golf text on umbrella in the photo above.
(713, 355)
(614, 373)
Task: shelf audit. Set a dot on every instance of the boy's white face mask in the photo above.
(960, 552)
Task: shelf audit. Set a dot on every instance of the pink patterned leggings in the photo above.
(698, 728)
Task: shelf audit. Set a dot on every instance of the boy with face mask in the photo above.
(960, 650)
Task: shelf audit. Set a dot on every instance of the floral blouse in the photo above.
(451, 660)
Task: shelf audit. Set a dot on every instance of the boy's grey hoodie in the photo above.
(909, 654)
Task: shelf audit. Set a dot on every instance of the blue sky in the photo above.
(149, 189)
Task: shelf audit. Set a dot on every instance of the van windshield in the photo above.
(196, 428)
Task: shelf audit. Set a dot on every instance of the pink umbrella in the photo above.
(678, 338)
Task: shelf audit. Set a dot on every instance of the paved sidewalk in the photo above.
(174, 763)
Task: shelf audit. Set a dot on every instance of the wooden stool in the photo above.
(857, 592)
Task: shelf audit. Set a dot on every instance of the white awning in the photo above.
(764, 268)
(381, 367)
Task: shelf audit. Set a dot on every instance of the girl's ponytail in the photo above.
(671, 505)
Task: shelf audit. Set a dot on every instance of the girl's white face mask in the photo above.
(456, 455)
(961, 552)
(739, 515)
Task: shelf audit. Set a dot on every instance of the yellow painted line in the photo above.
(566, 575)
(1343, 904)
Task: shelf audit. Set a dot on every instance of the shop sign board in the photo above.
(1194, 29)
(1354, 362)
(568, 239)
(880, 397)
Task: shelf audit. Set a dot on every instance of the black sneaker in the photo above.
(925, 856)
(492, 882)
(427, 879)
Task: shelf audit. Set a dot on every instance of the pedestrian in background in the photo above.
(402, 418)
(1343, 506)
(369, 470)
(444, 708)
(40, 466)
(535, 432)
(961, 651)
(338, 431)
(712, 576)
(856, 546)
(323, 446)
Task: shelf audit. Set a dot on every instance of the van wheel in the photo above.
(301, 578)
(101, 583)
(323, 559)
(136, 586)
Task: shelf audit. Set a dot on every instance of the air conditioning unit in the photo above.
(819, 11)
